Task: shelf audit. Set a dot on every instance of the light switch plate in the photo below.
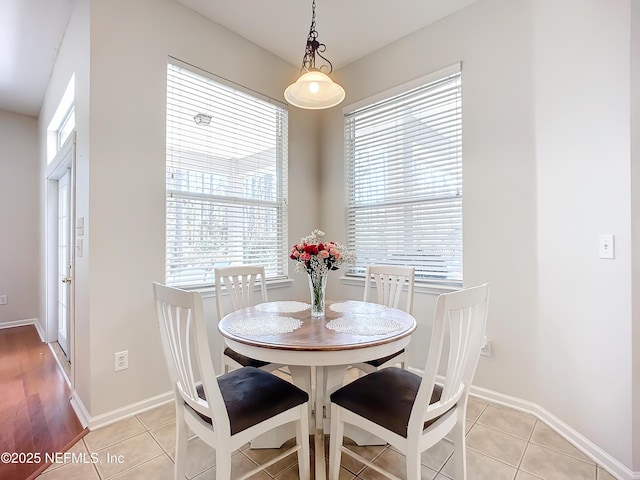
(80, 226)
(607, 248)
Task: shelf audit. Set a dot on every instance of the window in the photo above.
(68, 125)
(226, 178)
(404, 180)
(63, 121)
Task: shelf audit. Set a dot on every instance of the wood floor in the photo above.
(36, 418)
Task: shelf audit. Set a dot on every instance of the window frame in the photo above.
(212, 196)
(67, 126)
(426, 280)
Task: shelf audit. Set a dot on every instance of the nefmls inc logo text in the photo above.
(72, 457)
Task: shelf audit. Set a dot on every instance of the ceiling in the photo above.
(31, 32)
(350, 28)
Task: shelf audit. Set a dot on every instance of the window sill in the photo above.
(418, 287)
(210, 292)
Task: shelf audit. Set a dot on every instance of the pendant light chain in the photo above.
(314, 47)
(313, 15)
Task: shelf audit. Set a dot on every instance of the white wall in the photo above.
(582, 80)
(492, 39)
(122, 194)
(73, 57)
(19, 254)
(546, 170)
(635, 215)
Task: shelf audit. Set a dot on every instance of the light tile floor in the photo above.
(501, 444)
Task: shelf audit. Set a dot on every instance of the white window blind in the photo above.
(226, 179)
(404, 181)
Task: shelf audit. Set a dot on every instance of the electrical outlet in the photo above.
(3, 299)
(486, 347)
(607, 246)
(121, 360)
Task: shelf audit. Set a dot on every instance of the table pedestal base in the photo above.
(327, 380)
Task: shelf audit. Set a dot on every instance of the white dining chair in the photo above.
(411, 412)
(239, 283)
(389, 281)
(224, 411)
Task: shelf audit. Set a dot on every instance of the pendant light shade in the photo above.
(314, 89)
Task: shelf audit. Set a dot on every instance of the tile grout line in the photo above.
(93, 464)
(164, 451)
(115, 442)
(529, 442)
(136, 466)
(123, 439)
(526, 447)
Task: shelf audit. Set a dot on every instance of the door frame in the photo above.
(63, 160)
(64, 272)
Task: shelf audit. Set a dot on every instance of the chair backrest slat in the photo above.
(390, 281)
(240, 283)
(178, 325)
(462, 315)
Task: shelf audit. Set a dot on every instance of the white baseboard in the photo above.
(23, 323)
(59, 363)
(586, 446)
(127, 411)
(590, 449)
(40, 331)
(79, 408)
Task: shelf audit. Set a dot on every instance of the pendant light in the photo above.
(314, 90)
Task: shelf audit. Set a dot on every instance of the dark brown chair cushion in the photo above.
(385, 397)
(244, 360)
(381, 361)
(252, 395)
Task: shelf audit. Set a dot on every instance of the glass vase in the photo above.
(317, 286)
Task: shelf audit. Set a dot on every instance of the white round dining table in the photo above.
(284, 332)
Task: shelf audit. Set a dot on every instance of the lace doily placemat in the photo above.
(265, 325)
(354, 306)
(363, 325)
(282, 307)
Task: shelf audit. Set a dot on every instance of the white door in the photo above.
(60, 250)
(64, 260)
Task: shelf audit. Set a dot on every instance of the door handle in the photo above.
(66, 280)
